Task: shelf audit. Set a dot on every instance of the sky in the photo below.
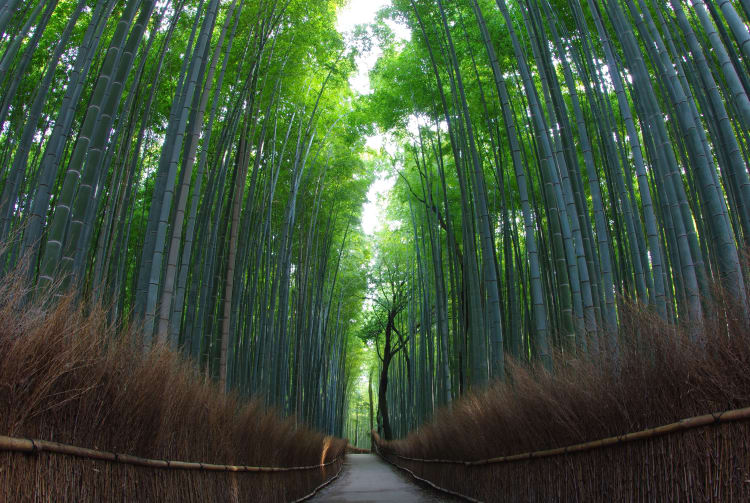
(364, 12)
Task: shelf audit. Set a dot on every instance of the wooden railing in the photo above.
(34, 446)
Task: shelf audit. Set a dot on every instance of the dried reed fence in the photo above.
(68, 377)
(704, 458)
(561, 435)
(327, 471)
(37, 446)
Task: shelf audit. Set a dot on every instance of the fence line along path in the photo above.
(702, 458)
(14, 444)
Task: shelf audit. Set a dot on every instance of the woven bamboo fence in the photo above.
(45, 471)
(704, 458)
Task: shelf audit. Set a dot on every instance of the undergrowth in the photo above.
(67, 376)
(660, 374)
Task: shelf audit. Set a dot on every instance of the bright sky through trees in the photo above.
(358, 12)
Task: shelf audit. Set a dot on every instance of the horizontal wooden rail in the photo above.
(682, 425)
(34, 446)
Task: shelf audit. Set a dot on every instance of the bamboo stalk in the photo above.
(35, 446)
(682, 425)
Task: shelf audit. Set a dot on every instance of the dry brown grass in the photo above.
(659, 377)
(66, 376)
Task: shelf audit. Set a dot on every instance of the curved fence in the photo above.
(703, 458)
(42, 470)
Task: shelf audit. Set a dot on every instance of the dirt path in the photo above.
(367, 478)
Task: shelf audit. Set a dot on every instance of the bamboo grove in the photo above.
(560, 159)
(194, 165)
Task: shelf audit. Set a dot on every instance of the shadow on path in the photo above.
(368, 479)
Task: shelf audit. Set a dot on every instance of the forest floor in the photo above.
(367, 478)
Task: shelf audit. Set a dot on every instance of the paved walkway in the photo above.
(368, 479)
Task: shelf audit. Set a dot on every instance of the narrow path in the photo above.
(368, 479)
